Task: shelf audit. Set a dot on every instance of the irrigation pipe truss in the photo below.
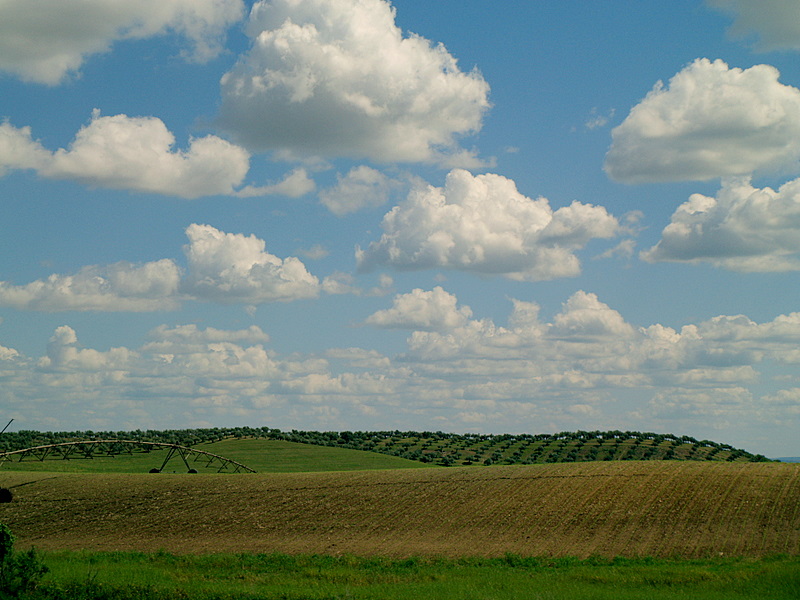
(104, 448)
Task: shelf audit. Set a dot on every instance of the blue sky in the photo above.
(357, 214)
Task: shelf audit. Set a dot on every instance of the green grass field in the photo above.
(159, 576)
(263, 455)
(275, 456)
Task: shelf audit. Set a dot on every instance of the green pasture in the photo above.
(160, 576)
(138, 462)
(263, 455)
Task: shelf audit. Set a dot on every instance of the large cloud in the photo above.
(589, 345)
(131, 153)
(777, 23)
(43, 41)
(710, 121)
(231, 267)
(117, 287)
(483, 224)
(227, 268)
(743, 229)
(337, 78)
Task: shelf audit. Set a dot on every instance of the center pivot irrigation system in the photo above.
(106, 448)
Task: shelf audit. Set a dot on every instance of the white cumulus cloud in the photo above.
(193, 335)
(585, 317)
(362, 187)
(8, 353)
(483, 224)
(710, 121)
(120, 286)
(44, 40)
(339, 78)
(590, 346)
(63, 352)
(131, 153)
(743, 229)
(223, 267)
(18, 149)
(232, 268)
(295, 184)
(422, 310)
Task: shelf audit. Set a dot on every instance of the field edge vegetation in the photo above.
(162, 576)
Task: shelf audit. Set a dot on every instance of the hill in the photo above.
(439, 448)
(635, 508)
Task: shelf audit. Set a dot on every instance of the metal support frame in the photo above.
(108, 448)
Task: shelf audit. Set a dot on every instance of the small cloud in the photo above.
(340, 283)
(316, 252)
(8, 353)
(633, 217)
(363, 187)
(624, 249)
(193, 335)
(597, 120)
(297, 183)
(421, 310)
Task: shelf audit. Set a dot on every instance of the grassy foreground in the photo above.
(162, 576)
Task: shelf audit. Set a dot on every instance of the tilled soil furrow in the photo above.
(624, 508)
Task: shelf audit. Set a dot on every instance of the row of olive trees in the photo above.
(425, 446)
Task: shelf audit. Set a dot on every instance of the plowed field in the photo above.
(610, 508)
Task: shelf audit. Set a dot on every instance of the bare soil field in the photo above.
(648, 508)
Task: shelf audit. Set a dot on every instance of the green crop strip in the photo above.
(159, 576)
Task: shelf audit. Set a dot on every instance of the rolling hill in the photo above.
(423, 448)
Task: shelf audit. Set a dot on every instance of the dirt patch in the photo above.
(610, 509)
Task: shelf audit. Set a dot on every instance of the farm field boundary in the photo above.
(649, 508)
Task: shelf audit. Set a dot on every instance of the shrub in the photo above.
(20, 572)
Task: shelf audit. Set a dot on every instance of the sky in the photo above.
(457, 215)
